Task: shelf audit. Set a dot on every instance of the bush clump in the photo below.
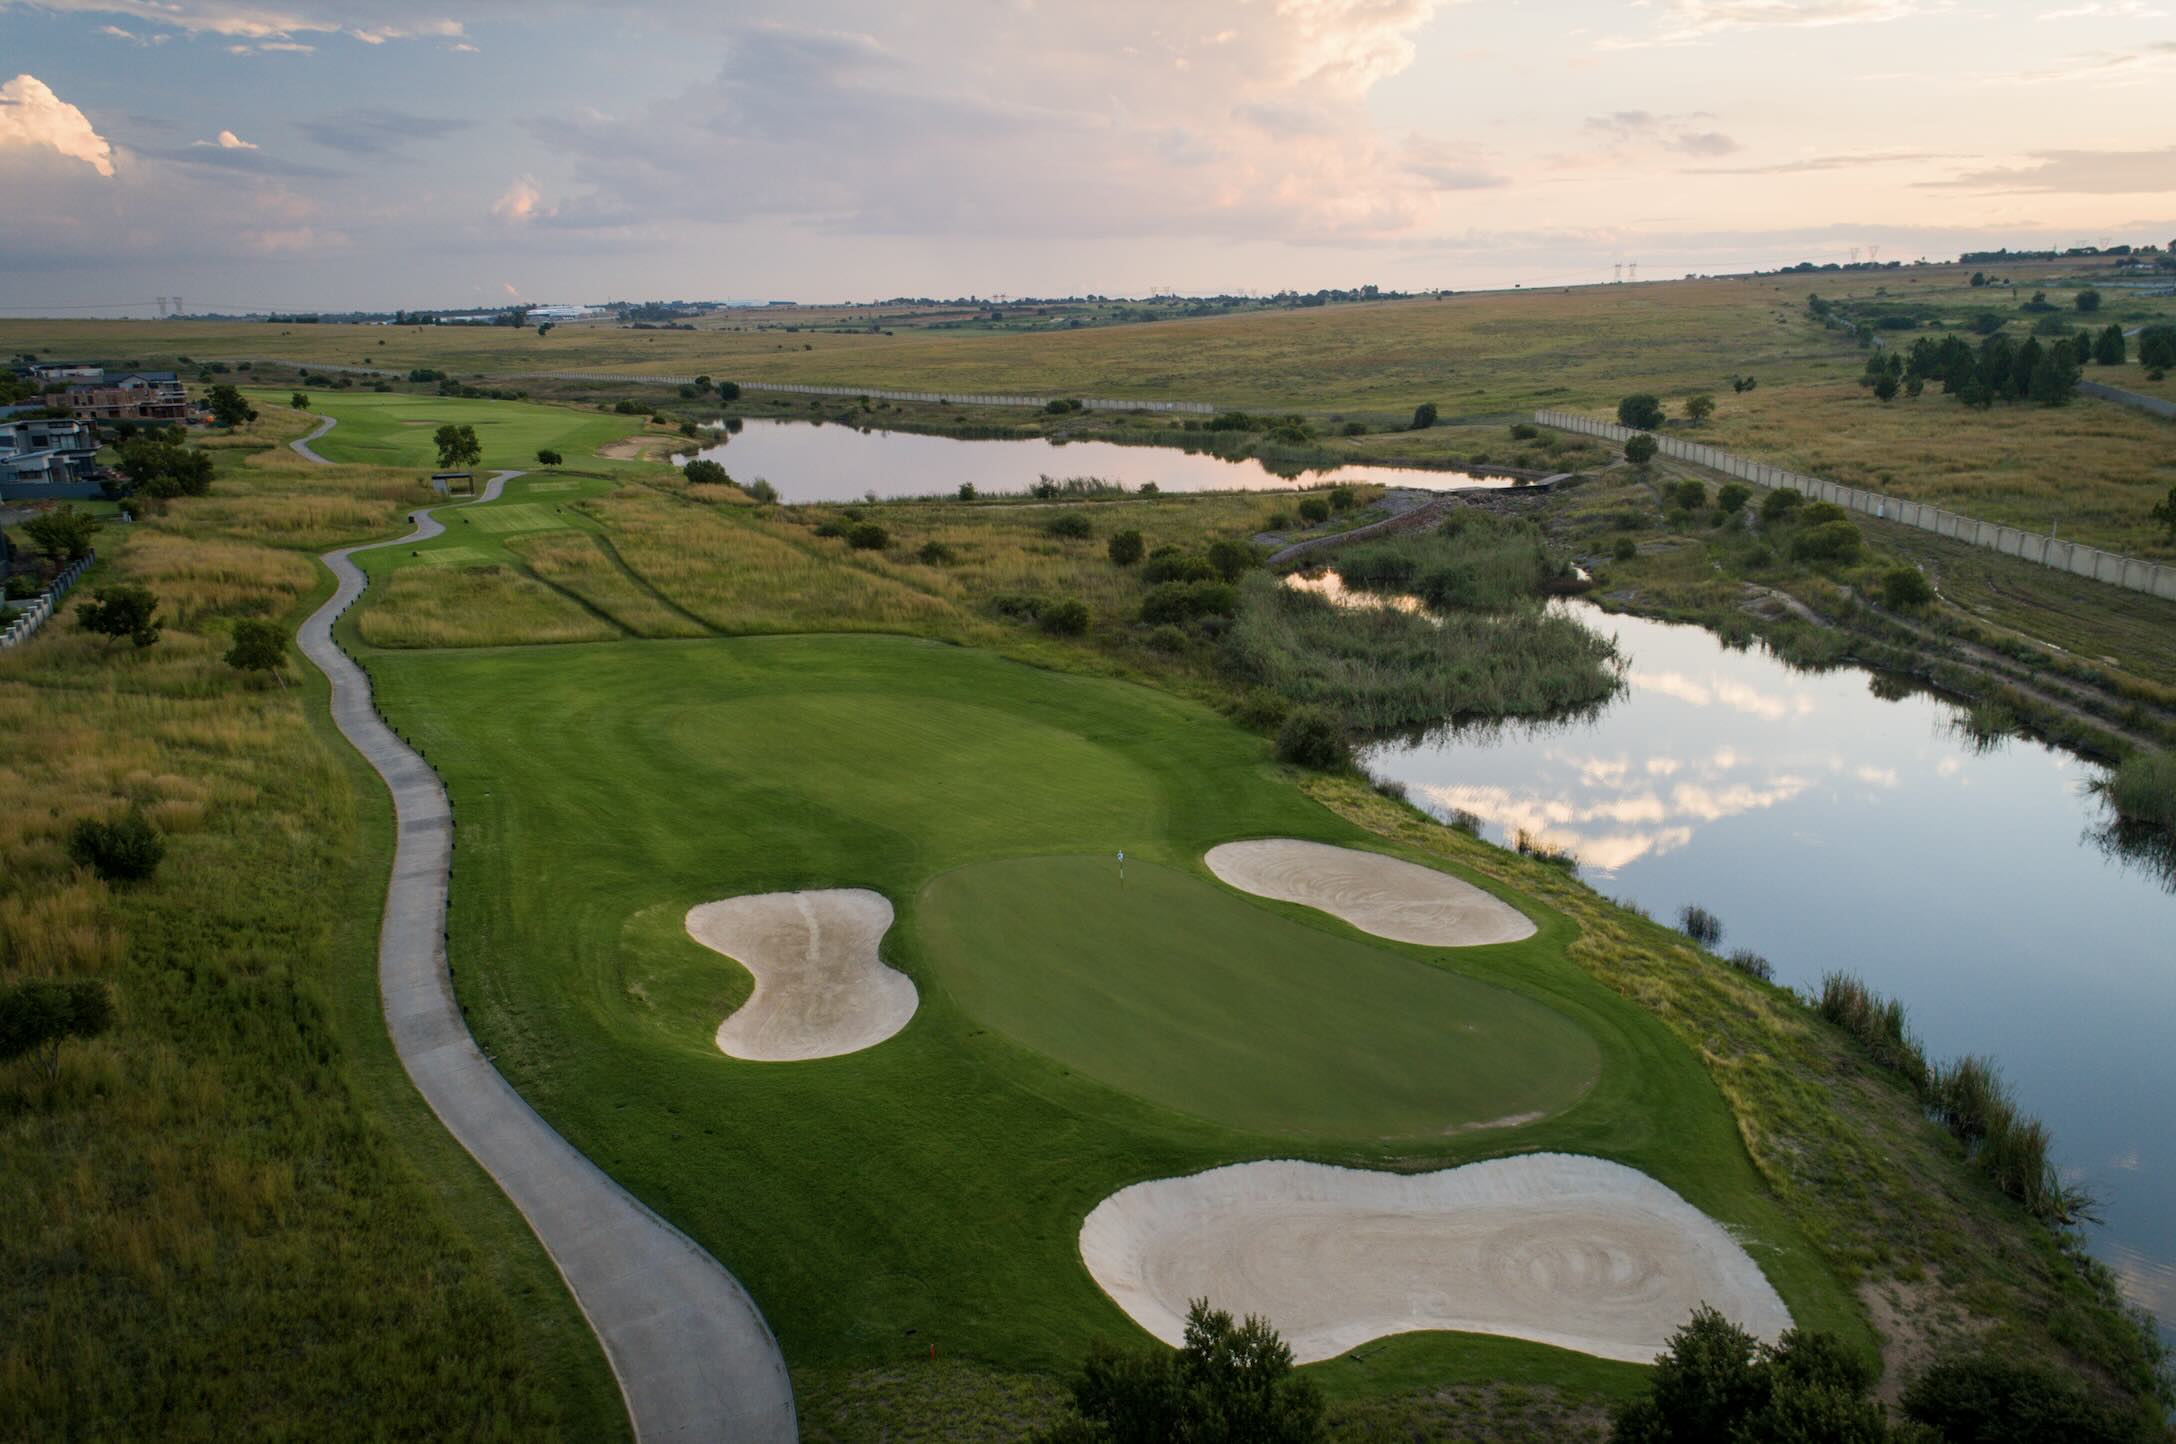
(1905, 589)
(128, 850)
(936, 554)
(1072, 526)
(2142, 789)
(1310, 737)
(1170, 564)
(867, 536)
(1702, 926)
(1185, 601)
(1125, 547)
(1067, 618)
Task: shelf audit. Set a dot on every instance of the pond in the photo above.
(815, 461)
(1837, 821)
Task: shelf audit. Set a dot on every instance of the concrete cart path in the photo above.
(302, 447)
(693, 1356)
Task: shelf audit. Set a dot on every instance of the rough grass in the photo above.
(474, 606)
(231, 1217)
(589, 568)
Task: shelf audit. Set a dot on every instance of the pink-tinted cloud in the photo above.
(32, 117)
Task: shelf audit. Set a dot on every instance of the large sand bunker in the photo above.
(821, 990)
(1386, 896)
(1561, 1249)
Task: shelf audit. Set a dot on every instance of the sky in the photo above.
(304, 154)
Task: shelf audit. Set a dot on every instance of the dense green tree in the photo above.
(259, 646)
(1642, 411)
(2110, 349)
(2157, 348)
(1690, 495)
(1979, 278)
(158, 463)
(2055, 376)
(1731, 497)
(1311, 737)
(1717, 1384)
(1126, 547)
(1227, 1384)
(1994, 1401)
(1905, 588)
(63, 534)
(1068, 618)
(2087, 300)
(457, 446)
(38, 1016)
(1424, 416)
(1232, 559)
(300, 401)
(1640, 449)
(1343, 498)
(1314, 510)
(122, 610)
(545, 456)
(1699, 407)
(702, 471)
(229, 407)
(127, 850)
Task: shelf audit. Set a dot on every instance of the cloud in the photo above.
(2107, 10)
(32, 117)
(255, 22)
(2077, 172)
(377, 130)
(228, 140)
(1081, 133)
(232, 155)
(1688, 22)
(1845, 161)
(1680, 133)
(520, 202)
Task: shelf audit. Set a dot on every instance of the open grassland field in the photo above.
(231, 1216)
(930, 1189)
(396, 429)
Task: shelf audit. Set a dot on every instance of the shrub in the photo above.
(1905, 589)
(1343, 498)
(627, 408)
(1702, 926)
(1732, 496)
(1168, 639)
(2143, 789)
(1169, 564)
(1310, 737)
(1779, 504)
(1017, 605)
(1277, 521)
(1424, 416)
(867, 536)
(703, 472)
(121, 611)
(1524, 431)
(1878, 1023)
(1125, 547)
(830, 527)
(1996, 1401)
(125, 851)
(1642, 411)
(1640, 449)
(1072, 526)
(37, 1016)
(967, 491)
(259, 646)
(1184, 601)
(1624, 549)
(1461, 820)
(1227, 1384)
(1261, 710)
(1831, 541)
(936, 554)
(1717, 1382)
(1314, 510)
(762, 491)
(1232, 559)
(1068, 618)
(1354, 428)
(1752, 964)
(1691, 495)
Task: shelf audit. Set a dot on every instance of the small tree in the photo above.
(1732, 496)
(2165, 513)
(63, 534)
(1642, 411)
(2111, 348)
(547, 457)
(1905, 589)
(37, 1016)
(124, 610)
(1227, 1384)
(1126, 547)
(229, 407)
(259, 646)
(2087, 300)
(300, 401)
(2157, 349)
(457, 446)
(761, 490)
(1314, 510)
(1699, 408)
(1640, 449)
(967, 491)
(125, 851)
(160, 465)
(1343, 498)
(1424, 416)
(1232, 559)
(702, 471)
(1691, 495)
(1068, 618)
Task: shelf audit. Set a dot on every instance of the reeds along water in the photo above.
(1969, 1098)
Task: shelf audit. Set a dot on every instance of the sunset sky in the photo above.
(250, 156)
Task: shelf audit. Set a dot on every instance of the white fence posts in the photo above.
(2153, 578)
(34, 614)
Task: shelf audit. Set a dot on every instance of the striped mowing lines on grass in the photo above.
(546, 486)
(452, 556)
(517, 516)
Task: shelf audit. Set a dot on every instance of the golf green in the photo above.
(1186, 995)
(395, 428)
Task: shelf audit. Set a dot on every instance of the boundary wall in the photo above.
(2153, 578)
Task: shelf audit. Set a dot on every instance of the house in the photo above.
(65, 371)
(47, 459)
(130, 396)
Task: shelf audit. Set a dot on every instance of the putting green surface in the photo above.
(1187, 995)
(931, 1189)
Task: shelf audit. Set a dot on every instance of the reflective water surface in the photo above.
(810, 461)
(1832, 823)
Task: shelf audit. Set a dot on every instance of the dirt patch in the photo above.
(1566, 1250)
(1386, 896)
(821, 990)
(640, 448)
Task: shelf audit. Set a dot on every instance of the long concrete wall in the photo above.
(2154, 578)
(33, 615)
(2154, 404)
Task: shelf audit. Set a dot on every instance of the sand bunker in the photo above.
(821, 989)
(1386, 896)
(1557, 1248)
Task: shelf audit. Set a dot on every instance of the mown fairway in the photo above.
(397, 429)
(930, 1189)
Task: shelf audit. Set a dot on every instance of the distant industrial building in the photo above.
(65, 371)
(559, 313)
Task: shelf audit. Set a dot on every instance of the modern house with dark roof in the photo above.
(42, 458)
